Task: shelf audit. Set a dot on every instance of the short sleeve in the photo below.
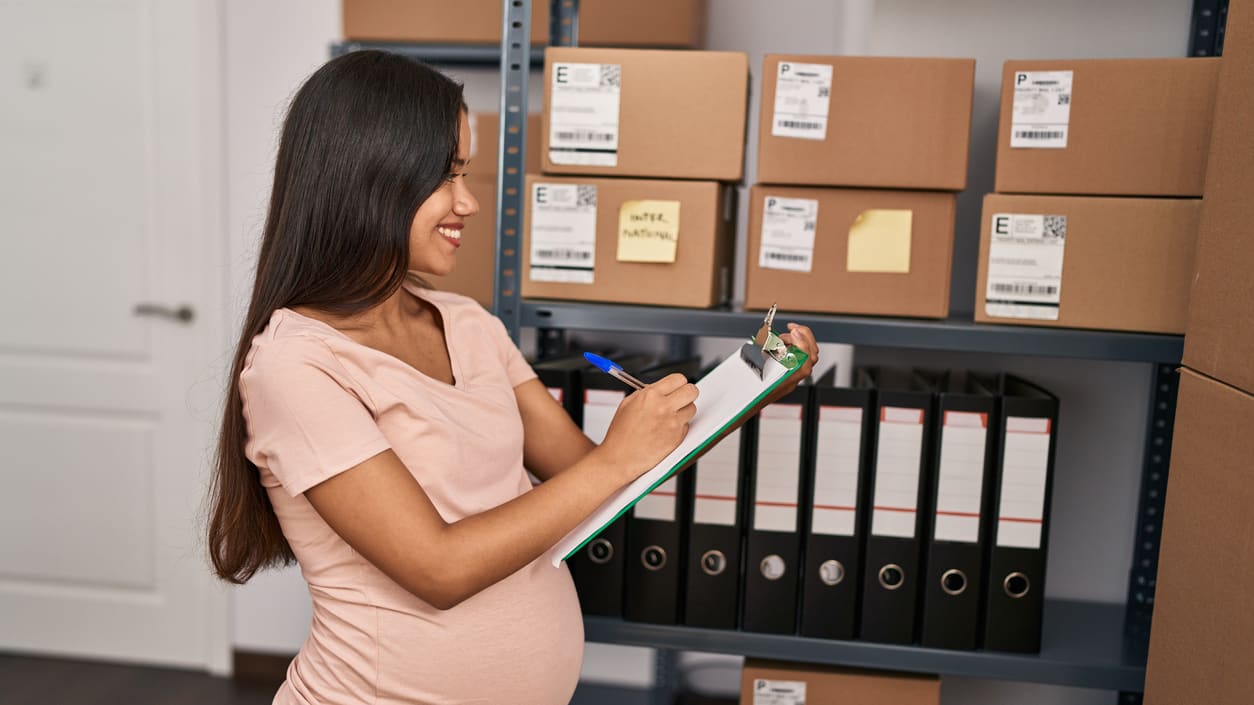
(307, 420)
(516, 366)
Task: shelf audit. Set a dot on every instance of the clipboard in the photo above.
(727, 394)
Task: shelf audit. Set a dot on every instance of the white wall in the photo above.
(272, 45)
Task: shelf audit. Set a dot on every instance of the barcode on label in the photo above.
(584, 136)
(1022, 288)
(786, 256)
(800, 125)
(1038, 134)
(563, 253)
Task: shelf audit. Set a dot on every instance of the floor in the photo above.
(31, 680)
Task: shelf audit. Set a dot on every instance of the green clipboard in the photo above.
(727, 394)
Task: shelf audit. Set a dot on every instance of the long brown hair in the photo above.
(367, 139)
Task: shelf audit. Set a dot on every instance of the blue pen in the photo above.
(614, 370)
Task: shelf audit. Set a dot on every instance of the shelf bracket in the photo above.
(1165, 385)
(512, 140)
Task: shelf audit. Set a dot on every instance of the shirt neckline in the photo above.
(458, 378)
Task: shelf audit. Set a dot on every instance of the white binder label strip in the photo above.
(779, 468)
(788, 226)
(803, 94)
(1025, 462)
(836, 463)
(599, 407)
(563, 232)
(659, 504)
(1041, 114)
(897, 472)
(718, 483)
(583, 114)
(961, 476)
(1025, 266)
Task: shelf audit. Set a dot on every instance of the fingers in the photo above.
(677, 390)
(802, 337)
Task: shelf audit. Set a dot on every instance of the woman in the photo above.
(377, 431)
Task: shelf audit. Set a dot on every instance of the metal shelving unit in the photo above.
(1083, 646)
(1088, 645)
(959, 335)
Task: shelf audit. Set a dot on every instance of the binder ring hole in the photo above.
(773, 567)
(892, 576)
(600, 551)
(713, 562)
(954, 582)
(831, 572)
(1016, 585)
(653, 557)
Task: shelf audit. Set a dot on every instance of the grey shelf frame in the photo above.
(1083, 646)
(919, 334)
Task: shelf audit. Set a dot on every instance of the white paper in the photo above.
(563, 232)
(961, 476)
(803, 94)
(1025, 255)
(897, 472)
(556, 393)
(724, 393)
(599, 407)
(1041, 115)
(836, 463)
(718, 483)
(583, 114)
(1025, 462)
(778, 476)
(788, 226)
(773, 692)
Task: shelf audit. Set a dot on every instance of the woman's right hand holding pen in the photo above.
(649, 424)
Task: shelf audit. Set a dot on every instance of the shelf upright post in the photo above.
(515, 70)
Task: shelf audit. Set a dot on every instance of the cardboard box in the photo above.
(827, 685)
(1126, 263)
(1219, 336)
(875, 252)
(475, 272)
(664, 114)
(886, 123)
(1131, 127)
(653, 23)
(1203, 632)
(485, 138)
(696, 218)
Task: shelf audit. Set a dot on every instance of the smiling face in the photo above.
(436, 232)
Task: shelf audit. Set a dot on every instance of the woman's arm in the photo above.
(551, 440)
(381, 511)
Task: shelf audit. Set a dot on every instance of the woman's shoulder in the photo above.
(292, 339)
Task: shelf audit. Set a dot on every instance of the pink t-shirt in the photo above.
(318, 403)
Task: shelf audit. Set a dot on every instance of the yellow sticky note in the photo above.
(648, 231)
(879, 241)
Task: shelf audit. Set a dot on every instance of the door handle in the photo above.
(182, 314)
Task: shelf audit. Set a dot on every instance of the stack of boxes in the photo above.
(1100, 166)
(859, 163)
(639, 150)
(1202, 615)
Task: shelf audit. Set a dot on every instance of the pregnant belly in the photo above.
(518, 642)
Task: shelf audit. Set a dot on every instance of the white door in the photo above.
(110, 197)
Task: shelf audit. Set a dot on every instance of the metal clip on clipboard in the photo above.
(763, 345)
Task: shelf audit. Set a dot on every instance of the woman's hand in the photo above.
(802, 337)
(649, 424)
